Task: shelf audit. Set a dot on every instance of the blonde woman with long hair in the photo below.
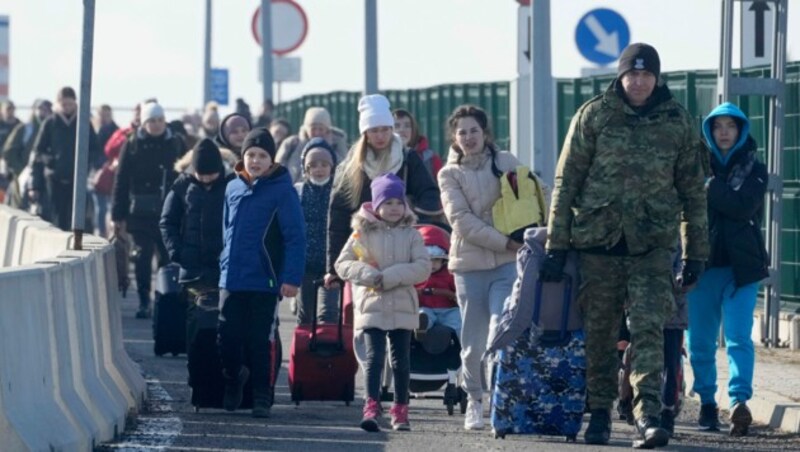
(378, 151)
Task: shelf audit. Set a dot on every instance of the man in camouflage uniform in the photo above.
(629, 174)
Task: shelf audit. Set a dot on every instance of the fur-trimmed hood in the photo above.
(367, 220)
(229, 160)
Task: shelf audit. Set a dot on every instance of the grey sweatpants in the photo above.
(480, 295)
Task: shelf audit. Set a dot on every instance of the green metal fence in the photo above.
(695, 89)
(431, 107)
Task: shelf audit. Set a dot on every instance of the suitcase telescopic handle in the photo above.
(565, 306)
(340, 334)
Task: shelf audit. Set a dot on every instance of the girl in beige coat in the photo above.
(383, 259)
(481, 257)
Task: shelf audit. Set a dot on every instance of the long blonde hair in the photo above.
(351, 178)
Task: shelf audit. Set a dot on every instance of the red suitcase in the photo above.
(322, 365)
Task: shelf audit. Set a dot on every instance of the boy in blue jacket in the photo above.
(263, 258)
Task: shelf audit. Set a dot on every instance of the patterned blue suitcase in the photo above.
(539, 382)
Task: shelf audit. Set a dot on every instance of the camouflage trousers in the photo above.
(642, 285)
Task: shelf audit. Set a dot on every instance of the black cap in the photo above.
(259, 137)
(206, 158)
(639, 56)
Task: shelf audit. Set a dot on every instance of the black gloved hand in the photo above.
(553, 266)
(692, 269)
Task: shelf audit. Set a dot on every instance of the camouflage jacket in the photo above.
(632, 174)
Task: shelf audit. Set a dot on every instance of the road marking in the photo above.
(138, 341)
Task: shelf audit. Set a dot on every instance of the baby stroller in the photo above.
(436, 362)
(435, 356)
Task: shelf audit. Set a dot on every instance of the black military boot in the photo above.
(234, 390)
(668, 421)
(651, 433)
(709, 417)
(599, 429)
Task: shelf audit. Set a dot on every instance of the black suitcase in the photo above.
(169, 313)
(204, 364)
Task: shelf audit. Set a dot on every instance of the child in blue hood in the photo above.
(263, 258)
(738, 262)
(318, 161)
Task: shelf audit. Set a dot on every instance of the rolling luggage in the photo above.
(322, 365)
(204, 364)
(169, 313)
(539, 382)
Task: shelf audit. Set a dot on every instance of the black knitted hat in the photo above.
(206, 158)
(639, 56)
(259, 137)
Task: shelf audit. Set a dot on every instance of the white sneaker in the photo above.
(473, 419)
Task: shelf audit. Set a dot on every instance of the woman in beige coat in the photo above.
(383, 259)
(481, 257)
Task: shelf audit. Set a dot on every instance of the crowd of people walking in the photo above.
(253, 213)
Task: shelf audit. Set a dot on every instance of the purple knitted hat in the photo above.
(386, 187)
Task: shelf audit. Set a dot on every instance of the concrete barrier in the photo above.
(30, 402)
(67, 382)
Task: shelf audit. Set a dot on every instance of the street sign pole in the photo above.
(542, 111)
(371, 46)
(82, 141)
(266, 49)
(207, 57)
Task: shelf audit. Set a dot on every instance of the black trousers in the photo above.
(60, 202)
(400, 343)
(673, 350)
(146, 242)
(245, 323)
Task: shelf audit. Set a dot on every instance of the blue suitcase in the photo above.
(539, 382)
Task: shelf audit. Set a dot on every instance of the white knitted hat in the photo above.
(374, 112)
(151, 110)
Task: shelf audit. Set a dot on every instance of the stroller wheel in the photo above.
(463, 400)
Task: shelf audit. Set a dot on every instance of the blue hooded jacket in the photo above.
(264, 234)
(726, 109)
(735, 202)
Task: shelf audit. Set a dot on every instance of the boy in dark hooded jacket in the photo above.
(263, 258)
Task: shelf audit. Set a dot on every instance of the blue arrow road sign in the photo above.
(601, 35)
(219, 86)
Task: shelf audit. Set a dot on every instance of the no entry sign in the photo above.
(289, 26)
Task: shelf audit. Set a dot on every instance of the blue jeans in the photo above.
(716, 299)
(449, 317)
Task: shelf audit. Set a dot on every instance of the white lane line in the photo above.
(284, 438)
(273, 426)
(138, 341)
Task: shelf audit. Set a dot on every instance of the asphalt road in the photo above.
(170, 422)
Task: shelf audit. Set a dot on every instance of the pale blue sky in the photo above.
(154, 47)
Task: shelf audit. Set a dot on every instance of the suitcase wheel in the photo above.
(346, 403)
(175, 353)
(296, 403)
(196, 409)
(499, 434)
(572, 438)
